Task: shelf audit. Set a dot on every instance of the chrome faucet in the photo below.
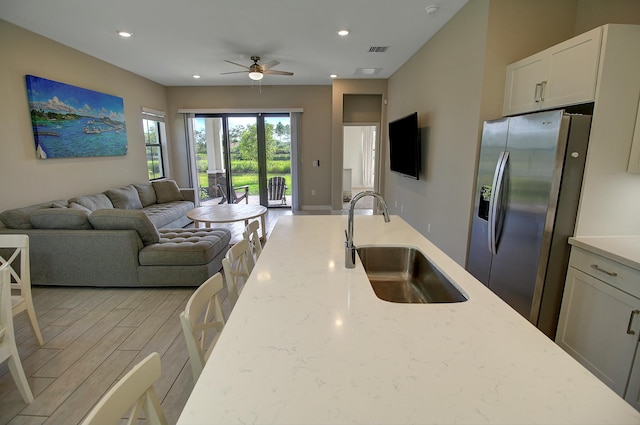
(350, 249)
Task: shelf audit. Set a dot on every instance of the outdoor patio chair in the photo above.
(277, 187)
(237, 194)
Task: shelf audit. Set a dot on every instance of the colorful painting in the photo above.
(70, 121)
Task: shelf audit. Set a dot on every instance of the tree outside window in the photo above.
(153, 141)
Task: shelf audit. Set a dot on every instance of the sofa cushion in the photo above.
(167, 191)
(75, 206)
(60, 218)
(187, 247)
(147, 193)
(98, 201)
(18, 218)
(164, 214)
(125, 198)
(117, 219)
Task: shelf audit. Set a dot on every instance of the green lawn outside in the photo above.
(250, 179)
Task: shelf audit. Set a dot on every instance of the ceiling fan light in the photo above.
(256, 76)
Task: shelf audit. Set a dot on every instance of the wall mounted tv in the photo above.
(404, 146)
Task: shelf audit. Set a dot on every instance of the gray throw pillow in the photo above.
(75, 206)
(167, 191)
(60, 218)
(124, 198)
(98, 201)
(18, 218)
(146, 193)
(117, 219)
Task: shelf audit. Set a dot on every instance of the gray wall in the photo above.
(455, 82)
(316, 126)
(27, 180)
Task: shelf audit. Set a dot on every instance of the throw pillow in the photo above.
(116, 219)
(124, 198)
(146, 193)
(60, 218)
(99, 201)
(18, 218)
(75, 206)
(167, 191)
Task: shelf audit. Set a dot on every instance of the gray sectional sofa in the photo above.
(129, 236)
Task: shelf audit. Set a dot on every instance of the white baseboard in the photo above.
(316, 208)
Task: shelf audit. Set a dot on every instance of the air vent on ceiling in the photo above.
(367, 71)
(378, 49)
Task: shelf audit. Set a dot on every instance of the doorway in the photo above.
(360, 163)
(238, 154)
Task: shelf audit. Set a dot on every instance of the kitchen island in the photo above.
(309, 342)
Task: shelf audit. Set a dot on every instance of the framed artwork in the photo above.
(70, 121)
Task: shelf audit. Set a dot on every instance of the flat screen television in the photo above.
(404, 146)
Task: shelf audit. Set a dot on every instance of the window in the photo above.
(154, 136)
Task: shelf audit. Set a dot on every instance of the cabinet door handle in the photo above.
(543, 86)
(537, 93)
(596, 267)
(629, 330)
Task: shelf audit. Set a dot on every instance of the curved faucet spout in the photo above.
(350, 249)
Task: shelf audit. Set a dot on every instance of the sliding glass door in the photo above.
(237, 154)
(278, 160)
(243, 164)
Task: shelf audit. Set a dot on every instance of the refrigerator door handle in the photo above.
(498, 180)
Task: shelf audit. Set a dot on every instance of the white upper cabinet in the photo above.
(524, 83)
(561, 75)
(634, 157)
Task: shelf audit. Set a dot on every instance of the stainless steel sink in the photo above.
(404, 275)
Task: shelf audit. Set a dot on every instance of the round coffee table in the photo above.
(228, 213)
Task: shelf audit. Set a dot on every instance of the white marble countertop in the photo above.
(310, 343)
(622, 249)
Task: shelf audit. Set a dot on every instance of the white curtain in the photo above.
(190, 150)
(296, 139)
(368, 142)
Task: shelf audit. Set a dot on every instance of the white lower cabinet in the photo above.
(599, 321)
(633, 389)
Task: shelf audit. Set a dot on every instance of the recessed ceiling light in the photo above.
(368, 71)
(432, 10)
(343, 33)
(333, 76)
(125, 34)
(196, 76)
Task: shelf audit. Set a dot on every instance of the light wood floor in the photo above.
(92, 337)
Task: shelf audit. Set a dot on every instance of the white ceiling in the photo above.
(174, 39)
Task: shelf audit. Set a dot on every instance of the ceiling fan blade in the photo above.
(268, 65)
(234, 72)
(274, 72)
(238, 64)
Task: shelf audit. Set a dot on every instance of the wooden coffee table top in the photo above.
(226, 213)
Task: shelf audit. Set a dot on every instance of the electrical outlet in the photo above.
(429, 228)
(402, 208)
(396, 205)
(313, 192)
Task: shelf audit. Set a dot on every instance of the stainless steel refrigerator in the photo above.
(528, 187)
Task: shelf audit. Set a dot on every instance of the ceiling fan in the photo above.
(256, 70)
